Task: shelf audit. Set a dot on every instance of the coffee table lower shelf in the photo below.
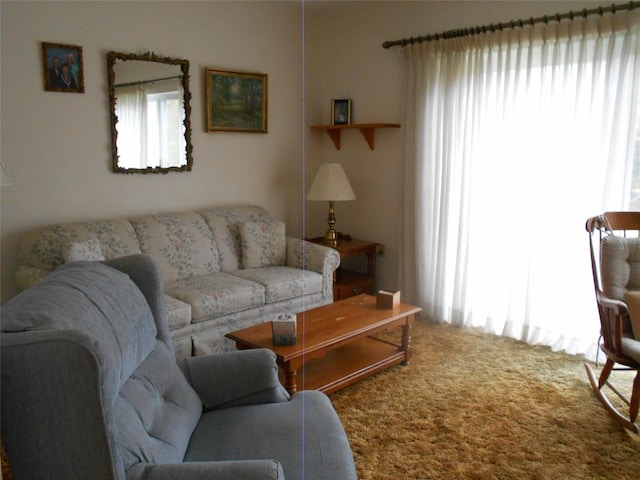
(338, 343)
(347, 364)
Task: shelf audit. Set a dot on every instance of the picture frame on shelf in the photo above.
(236, 101)
(341, 111)
(63, 68)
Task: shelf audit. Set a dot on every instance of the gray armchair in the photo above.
(91, 390)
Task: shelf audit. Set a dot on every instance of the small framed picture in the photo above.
(341, 112)
(236, 101)
(62, 68)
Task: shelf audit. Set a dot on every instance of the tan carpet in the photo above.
(477, 406)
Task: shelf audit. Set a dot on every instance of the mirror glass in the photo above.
(150, 125)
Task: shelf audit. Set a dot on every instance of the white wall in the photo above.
(56, 146)
(345, 59)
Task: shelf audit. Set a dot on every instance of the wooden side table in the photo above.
(347, 283)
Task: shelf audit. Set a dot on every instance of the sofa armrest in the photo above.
(28, 276)
(222, 470)
(232, 379)
(309, 255)
(316, 258)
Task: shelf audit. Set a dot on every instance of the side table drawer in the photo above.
(352, 284)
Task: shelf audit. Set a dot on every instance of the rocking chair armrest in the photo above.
(618, 307)
(612, 314)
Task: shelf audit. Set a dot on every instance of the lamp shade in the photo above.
(331, 184)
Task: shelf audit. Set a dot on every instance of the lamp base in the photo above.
(331, 238)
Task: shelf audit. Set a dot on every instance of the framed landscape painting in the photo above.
(236, 101)
(62, 68)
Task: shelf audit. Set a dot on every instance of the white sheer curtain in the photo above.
(131, 109)
(165, 124)
(514, 139)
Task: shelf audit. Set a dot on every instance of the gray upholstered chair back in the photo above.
(91, 344)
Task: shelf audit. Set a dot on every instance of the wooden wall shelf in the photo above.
(367, 130)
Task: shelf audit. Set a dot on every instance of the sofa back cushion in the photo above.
(44, 248)
(182, 243)
(225, 225)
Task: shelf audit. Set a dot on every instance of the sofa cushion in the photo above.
(263, 244)
(216, 294)
(178, 312)
(283, 283)
(224, 223)
(182, 244)
(88, 250)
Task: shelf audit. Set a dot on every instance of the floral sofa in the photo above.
(224, 268)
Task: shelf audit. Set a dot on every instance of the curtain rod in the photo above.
(464, 32)
(131, 84)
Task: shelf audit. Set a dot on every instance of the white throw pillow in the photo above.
(263, 244)
(87, 250)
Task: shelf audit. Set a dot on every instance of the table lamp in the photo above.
(331, 185)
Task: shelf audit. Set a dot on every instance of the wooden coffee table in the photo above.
(335, 343)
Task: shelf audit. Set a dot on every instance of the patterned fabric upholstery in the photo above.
(200, 253)
(225, 225)
(305, 255)
(88, 250)
(283, 283)
(178, 312)
(44, 248)
(263, 244)
(212, 340)
(181, 242)
(216, 294)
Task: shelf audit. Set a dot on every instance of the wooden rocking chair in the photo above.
(615, 260)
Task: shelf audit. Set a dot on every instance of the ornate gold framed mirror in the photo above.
(150, 113)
